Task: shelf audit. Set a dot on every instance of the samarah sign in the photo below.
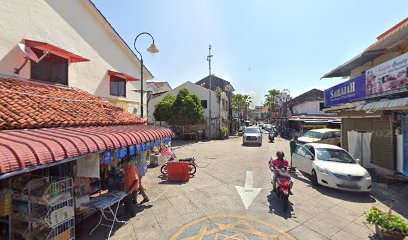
(390, 75)
(350, 91)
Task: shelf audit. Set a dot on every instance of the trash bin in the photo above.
(178, 172)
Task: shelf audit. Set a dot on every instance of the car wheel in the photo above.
(313, 178)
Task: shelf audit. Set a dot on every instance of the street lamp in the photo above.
(286, 109)
(152, 49)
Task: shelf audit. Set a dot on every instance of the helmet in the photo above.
(280, 154)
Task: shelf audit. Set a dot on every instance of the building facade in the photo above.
(82, 50)
(373, 104)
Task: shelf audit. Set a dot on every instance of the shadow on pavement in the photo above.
(276, 207)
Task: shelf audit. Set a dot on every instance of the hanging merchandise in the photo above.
(121, 152)
(107, 157)
(132, 150)
(5, 202)
(138, 148)
(143, 147)
(142, 165)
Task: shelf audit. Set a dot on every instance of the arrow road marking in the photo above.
(248, 193)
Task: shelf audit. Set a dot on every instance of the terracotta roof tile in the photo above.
(26, 105)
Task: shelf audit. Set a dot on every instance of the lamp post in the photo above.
(210, 90)
(286, 109)
(152, 49)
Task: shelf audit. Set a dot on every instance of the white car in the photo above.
(331, 166)
(252, 135)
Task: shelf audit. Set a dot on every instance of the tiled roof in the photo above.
(158, 84)
(25, 105)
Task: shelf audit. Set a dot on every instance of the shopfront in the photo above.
(374, 128)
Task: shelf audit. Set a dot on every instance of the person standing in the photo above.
(293, 145)
(131, 186)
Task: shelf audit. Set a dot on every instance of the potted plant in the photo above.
(387, 225)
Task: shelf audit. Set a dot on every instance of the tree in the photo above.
(187, 109)
(163, 109)
(270, 101)
(241, 102)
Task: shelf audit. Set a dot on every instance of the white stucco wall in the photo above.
(201, 92)
(74, 26)
(310, 108)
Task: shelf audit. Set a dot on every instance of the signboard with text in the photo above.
(388, 76)
(350, 91)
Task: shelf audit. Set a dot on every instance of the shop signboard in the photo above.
(350, 91)
(388, 76)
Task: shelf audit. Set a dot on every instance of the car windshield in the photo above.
(313, 134)
(252, 130)
(334, 155)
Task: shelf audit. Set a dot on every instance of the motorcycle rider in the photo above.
(276, 163)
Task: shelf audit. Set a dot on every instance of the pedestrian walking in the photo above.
(293, 145)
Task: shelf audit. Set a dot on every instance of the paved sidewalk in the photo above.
(209, 205)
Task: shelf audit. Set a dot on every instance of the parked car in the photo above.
(252, 135)
(268, 127)
(331, 166)
(324, 135)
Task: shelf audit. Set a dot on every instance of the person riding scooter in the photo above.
(277, 163)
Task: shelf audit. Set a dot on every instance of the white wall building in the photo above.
(219, 109)
(307, 108)
(76, 27)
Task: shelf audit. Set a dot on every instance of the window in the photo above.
(117, 86)
(204, 104)
(52, 68)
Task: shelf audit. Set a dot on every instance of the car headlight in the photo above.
(322, 170)
(367, 175)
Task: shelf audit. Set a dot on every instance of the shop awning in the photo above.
(344, 70)
(122, 75)
(27, 149)
(394, 104)
(54, 50)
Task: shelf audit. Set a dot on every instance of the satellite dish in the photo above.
(28, 52)
(30, 55)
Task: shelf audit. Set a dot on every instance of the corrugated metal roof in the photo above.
(22, 149)
(394, 104)
(345, 69)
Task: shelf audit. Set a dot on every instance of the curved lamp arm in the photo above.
(134, 43)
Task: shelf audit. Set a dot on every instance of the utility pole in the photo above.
(209, 104)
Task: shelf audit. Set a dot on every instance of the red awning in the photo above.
(25, 149)
(122, 75)
(54, 50)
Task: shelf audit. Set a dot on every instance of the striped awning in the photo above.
(394, 104)
(20, 149)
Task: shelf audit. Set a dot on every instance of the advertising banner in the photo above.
(350, 91)
(390, 75)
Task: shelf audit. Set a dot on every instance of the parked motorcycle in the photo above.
(283, 185)
(192, 165)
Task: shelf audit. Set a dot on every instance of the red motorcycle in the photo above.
(284, 184)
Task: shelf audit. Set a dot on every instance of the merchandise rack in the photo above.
(48, 210)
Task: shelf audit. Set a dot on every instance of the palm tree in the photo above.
(270, 101)
(241, 102)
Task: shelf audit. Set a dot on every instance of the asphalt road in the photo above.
(230, 198)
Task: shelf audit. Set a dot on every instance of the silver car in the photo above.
(252, 135)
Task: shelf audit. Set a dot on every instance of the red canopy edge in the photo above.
(31, 148)
(54, 50)
(122, 75)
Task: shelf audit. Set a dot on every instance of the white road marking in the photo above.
(248, 193)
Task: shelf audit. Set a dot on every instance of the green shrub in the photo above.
(387, 221)
(223, 133)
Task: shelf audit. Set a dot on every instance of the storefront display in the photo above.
(42, 206)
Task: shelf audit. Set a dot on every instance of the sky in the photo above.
(257, 45)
